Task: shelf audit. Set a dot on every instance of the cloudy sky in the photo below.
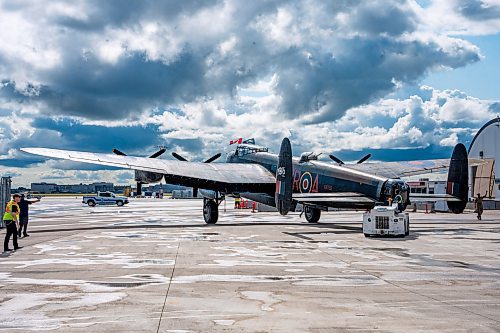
(400, 79)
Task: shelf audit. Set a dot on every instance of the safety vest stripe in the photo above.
(8, 216)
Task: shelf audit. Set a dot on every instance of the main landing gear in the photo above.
(211, 210)
(312, 214)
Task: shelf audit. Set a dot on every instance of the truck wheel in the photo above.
(91, 203)
(119, 203)
(210, 212)
(312, 214)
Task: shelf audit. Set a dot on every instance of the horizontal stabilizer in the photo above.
(422, 197)
(335, 199)
(408, 168)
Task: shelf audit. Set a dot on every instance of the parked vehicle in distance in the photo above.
(105, 198)
(32, 195)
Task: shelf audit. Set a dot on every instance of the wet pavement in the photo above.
(154, 266)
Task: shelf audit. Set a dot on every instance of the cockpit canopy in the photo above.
(246, 149)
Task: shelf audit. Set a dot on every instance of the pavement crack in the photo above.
(168, 288)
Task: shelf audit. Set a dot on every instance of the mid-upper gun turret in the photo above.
(308, 156)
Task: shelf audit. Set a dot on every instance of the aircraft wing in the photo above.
(224, 177)
(407, 168)
(335, 199)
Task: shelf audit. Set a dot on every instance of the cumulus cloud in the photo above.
(93, 75)
(118, 60)
(409, 127)
(465, 17)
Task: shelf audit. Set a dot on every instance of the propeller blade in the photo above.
(364, 159)
(117, 152)
(338, 160)
(179, 157)
(158, 153)
(213, 158)
(195, 192)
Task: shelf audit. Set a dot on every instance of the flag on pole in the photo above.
(238, 141)
(249, 141)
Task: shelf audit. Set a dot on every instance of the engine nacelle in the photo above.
(147, 177)
(209, 194)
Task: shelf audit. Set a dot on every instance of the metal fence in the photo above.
(5, 183)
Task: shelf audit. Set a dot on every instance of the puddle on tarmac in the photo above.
(304, 280)
(266, 299)
(224, 322)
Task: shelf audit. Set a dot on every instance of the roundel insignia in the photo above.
(305, 183)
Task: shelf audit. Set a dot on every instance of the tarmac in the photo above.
(155, 266)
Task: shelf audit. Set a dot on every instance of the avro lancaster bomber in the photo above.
(283, 181)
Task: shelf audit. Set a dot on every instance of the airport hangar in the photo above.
(484, 179)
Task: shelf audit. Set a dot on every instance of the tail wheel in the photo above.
(91, 203)
(210, 211)
(312, 214)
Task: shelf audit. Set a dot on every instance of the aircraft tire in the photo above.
(210, 212)
(91, 203)
(312, 214)
(455, 209)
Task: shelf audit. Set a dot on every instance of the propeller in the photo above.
(183, 159)
(155, 155)
(117, 152)
(179, 157)
(158, 153)
(367, 156)
(211, 159)
(339, 161)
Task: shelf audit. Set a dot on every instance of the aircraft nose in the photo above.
(230, 157)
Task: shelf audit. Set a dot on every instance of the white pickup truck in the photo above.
(105, 198)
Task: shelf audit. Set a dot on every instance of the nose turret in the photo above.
(393, 188)
(230, 157)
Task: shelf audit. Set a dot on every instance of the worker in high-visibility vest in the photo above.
(237, 203)
(11, 222)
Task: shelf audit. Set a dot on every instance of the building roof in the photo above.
(492, 121)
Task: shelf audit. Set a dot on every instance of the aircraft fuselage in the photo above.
(320, 177)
